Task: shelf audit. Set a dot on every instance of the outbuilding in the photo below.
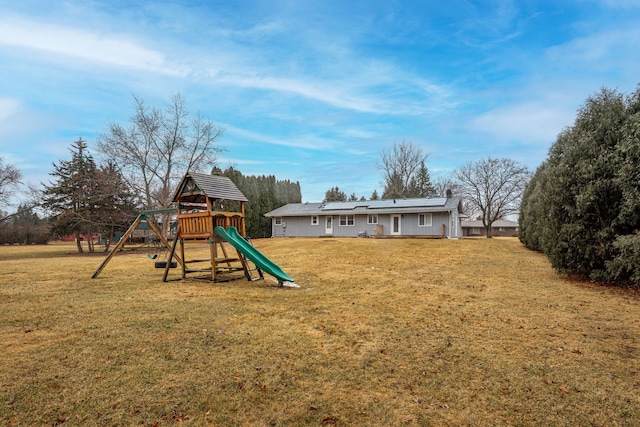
(501, 227)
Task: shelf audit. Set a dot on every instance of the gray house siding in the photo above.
(302, 226)
(359, 226)
(416, 217)
(410, 226)
(297, 226)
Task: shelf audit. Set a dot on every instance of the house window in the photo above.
(314, 220)
(373, 219)
(347, 220)
(278, 220)
(424, 220)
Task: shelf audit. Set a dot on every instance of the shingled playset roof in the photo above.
(197, 187)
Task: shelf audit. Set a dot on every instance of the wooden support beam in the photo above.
(119, 245)
(214, 255)
(243, 229)
(171, 255)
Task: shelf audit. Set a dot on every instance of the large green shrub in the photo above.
(582, 208)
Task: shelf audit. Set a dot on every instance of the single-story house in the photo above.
(502, 227)
(427, 217)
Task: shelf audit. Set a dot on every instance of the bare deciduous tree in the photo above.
(444, 183)
(10, 178)
(159, 146)
(400, 166)
(493, 188)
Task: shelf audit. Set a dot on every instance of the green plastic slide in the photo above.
(232, 236)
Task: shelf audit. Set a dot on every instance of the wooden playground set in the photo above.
(200, 201)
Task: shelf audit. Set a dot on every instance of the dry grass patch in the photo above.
(381, 332)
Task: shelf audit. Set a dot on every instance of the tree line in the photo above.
(24, 227)
(265, 193)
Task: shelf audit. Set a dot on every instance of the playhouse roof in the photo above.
(198, 187)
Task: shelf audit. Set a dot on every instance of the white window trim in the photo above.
(428, 220)
(278, 220)
(369, 219)
(315, 220)
(346, 221)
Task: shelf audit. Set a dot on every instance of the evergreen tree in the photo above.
(583, 207)
(334, 194)
(265, 193)
(374, 195)
(85, 200)
(420, 185)
(117, 205)
(395, 187)
(69, 197)
(533, 211)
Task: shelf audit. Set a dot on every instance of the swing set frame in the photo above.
(146, 216)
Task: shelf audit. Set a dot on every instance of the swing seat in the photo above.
(163, 264)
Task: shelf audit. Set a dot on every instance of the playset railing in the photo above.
(200, 225)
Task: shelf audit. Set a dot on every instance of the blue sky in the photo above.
(311, 91)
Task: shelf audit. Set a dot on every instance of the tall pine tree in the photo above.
(85, 200)
(68, 198)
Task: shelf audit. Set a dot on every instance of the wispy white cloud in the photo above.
(255, 32)
(316, 91)
(84, 44)
(368, 94)
(489, 24)
(365, 88)
(529, 123)
(8, 108)
(358, 133)
(605, 49)
(17, 120)
(234, 132)
(238, 161)
(617, 4)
